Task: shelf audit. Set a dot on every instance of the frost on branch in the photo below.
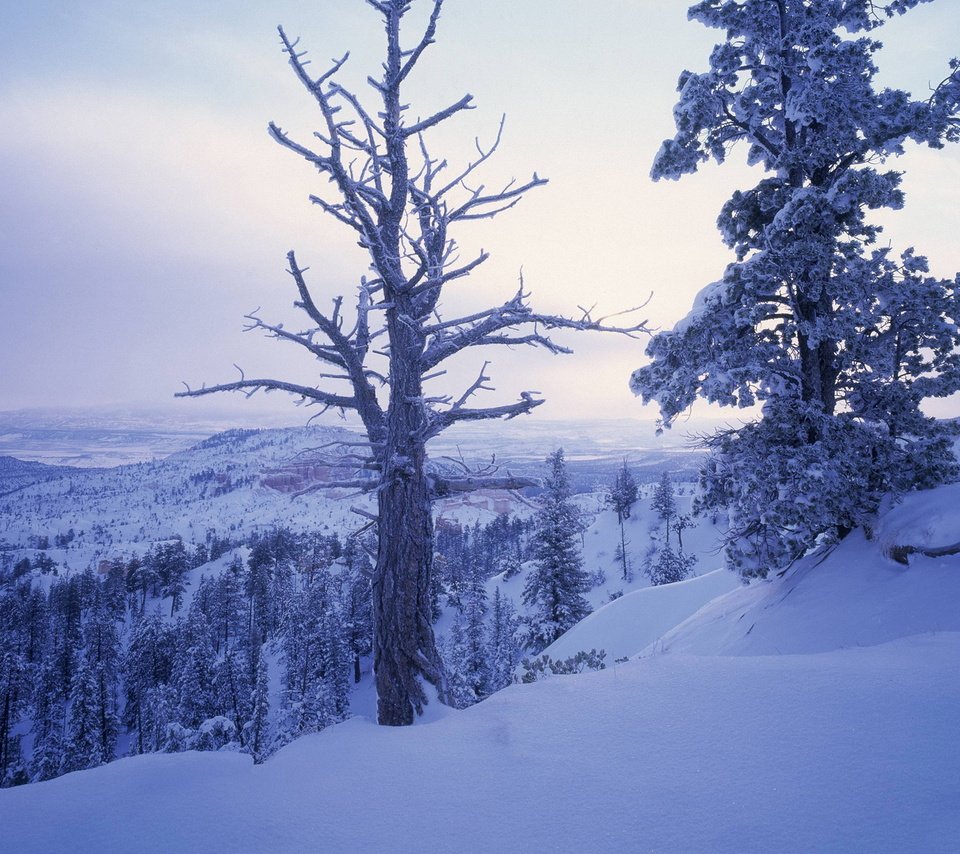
(838, 339)
(403, 204)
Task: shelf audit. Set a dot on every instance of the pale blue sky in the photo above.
(144, 209)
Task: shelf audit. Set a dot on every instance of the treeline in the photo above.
(134, 659)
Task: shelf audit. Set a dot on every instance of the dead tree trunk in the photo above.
(402, 205)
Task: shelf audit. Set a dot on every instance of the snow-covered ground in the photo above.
(815, 711)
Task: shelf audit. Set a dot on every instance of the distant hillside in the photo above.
(16, 474)
(99, 437)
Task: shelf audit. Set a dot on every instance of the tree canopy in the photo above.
(838, 338)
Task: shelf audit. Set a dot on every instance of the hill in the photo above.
(816, 711)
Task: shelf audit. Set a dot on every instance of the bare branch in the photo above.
(360, 485)
(425, 42)
(440, 421)
(365, 513)
(303, 339)
(249, 387)
(443, 487)
(442, 115)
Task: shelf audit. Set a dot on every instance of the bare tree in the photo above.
(403, 204)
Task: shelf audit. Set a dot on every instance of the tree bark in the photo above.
(404, 645)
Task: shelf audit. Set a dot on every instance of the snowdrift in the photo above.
(855, 595)
(628, 624)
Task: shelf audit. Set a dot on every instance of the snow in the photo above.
(854, 596)
(850, 750)
(923, 520)
(628, 624)
(816, 711)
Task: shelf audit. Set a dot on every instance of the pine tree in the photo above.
(357, 610)
(83, 746)
(840, 341)
(256, 729)
(317, 662)
(622, 497)
(147, 665)
(49, 718)
(669, 566)
(13, 697)
(257, 587)
(102, 651)
(504, 650)
(194, 668)
(554, 590)
(467, 651)
(665, 504)
(234, 691)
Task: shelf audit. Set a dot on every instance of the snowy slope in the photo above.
(855, 596)
(847, 751)
(710, 742)
(628, 624)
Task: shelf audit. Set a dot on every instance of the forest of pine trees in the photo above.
(248, 645)
(139, 658)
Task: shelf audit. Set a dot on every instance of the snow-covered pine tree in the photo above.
(147, 665)
(49, 711)
(840, 341)
(83, 746)
(623, 494)
(194, 669)
(102, 651)
(553, 593)
(171, 564)
(665, 504)
(13, 698)
(669, 566)
(621, 498)
(257, 735)
(357, 609)
(234, 691)
(258, 587)
(504, 649)
(316, 662)
(466, 655)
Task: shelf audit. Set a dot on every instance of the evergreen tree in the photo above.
(466, 658)
(665, 504)
(258, 587)
(49, 709)
(554, 590)
(317, 663)
(13, 697)
(455, 656)
(840, 341)
(622, 497)
(257, 735)
(504, 650)
(170, 565)
(83, 746)
(670, 566)
(194, 669)
(147, 665)
(357, 610)
(234, 691)
(102, 651)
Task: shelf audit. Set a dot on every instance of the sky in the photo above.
(144, 209)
